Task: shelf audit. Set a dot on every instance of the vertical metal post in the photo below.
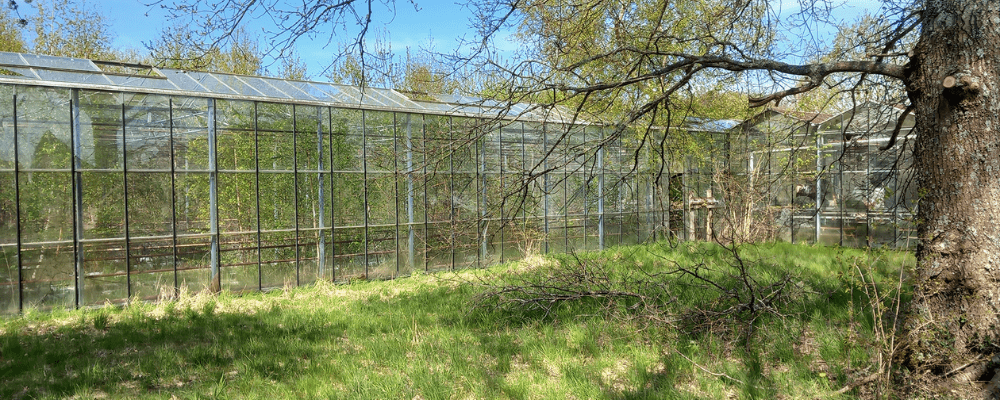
(869, 192)
(17, 202)
(364, 177)
(295, 192)
(256, 144)
(173, 196)
(395, 185)
(585, 179)
(321, 197)
(688, 216)
(524, 175)
(819, 183)
(545, 188)
(481, 203)
(410, 239)
(895, 200)
(840, 173)
(333, 211)
(600, 192)
(565, 184)
(451, 187)
(76, 134)
(213, 198)
(423, 170)
(503, 214)
(173, 211)
(665, 192)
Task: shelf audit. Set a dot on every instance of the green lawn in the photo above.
(421, 337)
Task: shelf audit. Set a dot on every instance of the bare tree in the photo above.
(638, 60)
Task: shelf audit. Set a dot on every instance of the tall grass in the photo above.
(420, 338)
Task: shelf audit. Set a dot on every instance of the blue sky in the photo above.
(418, 24)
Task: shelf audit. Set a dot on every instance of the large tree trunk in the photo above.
(953, 328)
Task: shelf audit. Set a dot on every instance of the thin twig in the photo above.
(718, 374)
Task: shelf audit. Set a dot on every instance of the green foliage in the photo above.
(72, 29)
(181, 48)
(11, 36)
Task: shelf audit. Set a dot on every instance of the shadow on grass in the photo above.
(144, 355)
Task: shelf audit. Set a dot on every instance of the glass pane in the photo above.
(409, 131)
(236, 147)
(194, 262)
(411, 248)
(438, 200)
(348, 253)
(147, 132)
(9, 291)
(46, 206)
(101, 141)
(192, 203)
(149, 204)
(237, 202)
(312, 138)
(410, 202)
(151, 263)
(437, 144)
(382, 253)
(466, 133)
(348, 199)
(466, 197)
(6, 127)
(467, 244)
(312, 249)
(277, 254)
(314, 200)
(238, 260)
(103, 204)
(489, 150)
(439, 240)
(43, 128)
(275, 136)
(380, 141)
(277, 201)
(48, 276)
(190, 127)
(104, 268)
(8, 208)
(347, 138)
(381, 199)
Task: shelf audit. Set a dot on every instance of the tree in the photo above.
(69, 29)
(637, 59)
(939, 52)
(180, 48)
(10, 32)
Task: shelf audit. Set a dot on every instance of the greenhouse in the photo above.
(122, 181)
(127, 182)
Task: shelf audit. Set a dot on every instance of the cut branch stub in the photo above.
(965, 81)
(949, 82)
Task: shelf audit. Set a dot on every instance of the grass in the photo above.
(420, 338)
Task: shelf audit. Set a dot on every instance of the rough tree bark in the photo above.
(953, 82)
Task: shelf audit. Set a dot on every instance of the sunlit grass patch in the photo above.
(421, 337)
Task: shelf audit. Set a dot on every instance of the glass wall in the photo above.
(117, 196)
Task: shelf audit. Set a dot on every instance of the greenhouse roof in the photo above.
(81, 73)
